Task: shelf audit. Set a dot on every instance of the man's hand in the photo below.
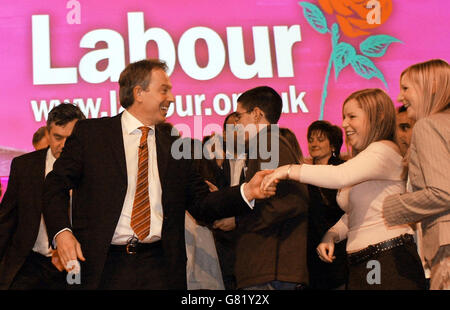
(69, 249)
(308, 161)
(56, 261)
(212, 187)
(225, 224)
(252, 189)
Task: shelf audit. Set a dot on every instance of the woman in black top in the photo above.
(324, 144)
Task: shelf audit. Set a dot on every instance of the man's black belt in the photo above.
(372, 250)
(134, 248)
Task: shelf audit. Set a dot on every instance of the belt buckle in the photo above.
(131, 247)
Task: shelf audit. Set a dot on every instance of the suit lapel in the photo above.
(226, 170)
(38, 174)
(163, 146)
(115, 137)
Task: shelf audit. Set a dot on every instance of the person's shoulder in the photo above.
(30, 157)
(443, 116)
(384, 147)
(101, 121)
(435, 127)
(438, 122)
(167, 132)
(96, 125)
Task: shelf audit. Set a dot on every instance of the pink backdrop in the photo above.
(419, 25)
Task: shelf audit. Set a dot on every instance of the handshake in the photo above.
(264, 183)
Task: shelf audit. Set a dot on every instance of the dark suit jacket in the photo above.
(93, 164)
(272, 240)
(20, 213)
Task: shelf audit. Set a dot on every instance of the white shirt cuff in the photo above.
(251, 204)
(54, 238)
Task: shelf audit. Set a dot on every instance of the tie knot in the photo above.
(144, 130)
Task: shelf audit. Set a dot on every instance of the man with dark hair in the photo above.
(271, 246)
(131, 194)
(404, 129)
(265, 99)
(25, 253)
(40, 139)
(137, 75)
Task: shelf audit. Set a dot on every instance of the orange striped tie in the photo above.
(140, 216)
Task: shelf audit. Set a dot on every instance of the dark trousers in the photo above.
(400, 268)
(38, 273)
(145, 270)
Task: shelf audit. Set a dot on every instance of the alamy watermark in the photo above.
(253, 141)
(74, 274)
(374, 275)
(74, 15)
(374, 15)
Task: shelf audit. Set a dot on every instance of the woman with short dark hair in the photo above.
(324, 145)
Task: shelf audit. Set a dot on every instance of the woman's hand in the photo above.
(281, 173)
(325, 250)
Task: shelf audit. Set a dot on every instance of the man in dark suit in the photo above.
(130, 194)
(271, 247)
(24, 250)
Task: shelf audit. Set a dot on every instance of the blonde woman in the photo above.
(379, 257)
(425, 92)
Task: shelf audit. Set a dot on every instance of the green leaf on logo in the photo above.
(335, 34)
(366, 68)
(376, 46)
(315, 17)
(342, 56)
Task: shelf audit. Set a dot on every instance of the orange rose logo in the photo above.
(355, 17)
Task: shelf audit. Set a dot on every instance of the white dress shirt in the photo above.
(131, 138)
(236, 167)
(41, 246)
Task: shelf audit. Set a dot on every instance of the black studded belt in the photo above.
(372, 250)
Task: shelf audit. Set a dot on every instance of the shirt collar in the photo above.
(232, 156)
(131, 123)
(50, 158)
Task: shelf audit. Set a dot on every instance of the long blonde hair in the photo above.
(431, 80)
(380, 112)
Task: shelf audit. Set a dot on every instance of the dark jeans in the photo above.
(145, 270)
(276, 285)
(400, 268)
(38, 273)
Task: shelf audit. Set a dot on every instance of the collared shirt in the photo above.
(41, 245)
(131, 139)
(236, 167)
